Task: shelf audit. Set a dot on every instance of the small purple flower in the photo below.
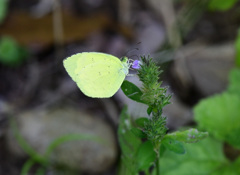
(136, 64)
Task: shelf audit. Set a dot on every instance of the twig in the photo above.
(58, 29)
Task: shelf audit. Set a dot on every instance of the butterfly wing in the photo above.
(101, 80)
(96, 74)
(77, 62)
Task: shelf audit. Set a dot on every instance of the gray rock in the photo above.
(204, 67)
(40, 128)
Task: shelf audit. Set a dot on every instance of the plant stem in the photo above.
(158, 167)
(157, 161)
(58, 29)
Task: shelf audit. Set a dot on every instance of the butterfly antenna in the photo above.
(131, 50)
(134, 56)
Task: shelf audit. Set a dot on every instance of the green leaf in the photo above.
(201, 158)
(123, 168)
(132, 91)
(129, 144)
(173, 145)
(140, 122)
(220, 116)
(188, 136)
(234, 78)
(149, 110)
(3, 9)
(236, 166)
(11, 54)
(139, 133)
(145, 156)
(221, 5)
(162, 149)
(27, 166)
(237, 48)
(230, 169)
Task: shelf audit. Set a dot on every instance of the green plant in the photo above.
(11, 54)
(219, 115)
(221, 5)
(3, 9)
(138, 155)
(237, 48)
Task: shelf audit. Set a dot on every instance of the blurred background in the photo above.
(192, 41)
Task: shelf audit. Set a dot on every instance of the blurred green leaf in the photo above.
(11, 54)
(162, 149)
(149, 110)
(128, 141)
(173, 145)
(201, 158)
(220, 116)
(234, 79)
(188, 136)
(221, 5)
(139, 133)
(230, 169)
(129, 144)
(27, 166)
(145, 156)
(132, 91)
(237, 48)
(3, 9)
(141, 121)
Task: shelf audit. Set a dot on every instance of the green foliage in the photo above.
(128, 141)
(173, 145)
(234, 80)
(3, 9)
(139, 133)
(188, 136)
(153, 94)
(138, 155)
(133, 157)
(202, 158)
(237, 48)
(141, 121)
(229, 169)
(221, 5)
(156, 129)
(132, 91)
(174, 141)
(145, 156)
(220, 116)
(11, 54)
(156, 98)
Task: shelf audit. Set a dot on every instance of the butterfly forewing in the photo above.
(96, 74)
(102, 79)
